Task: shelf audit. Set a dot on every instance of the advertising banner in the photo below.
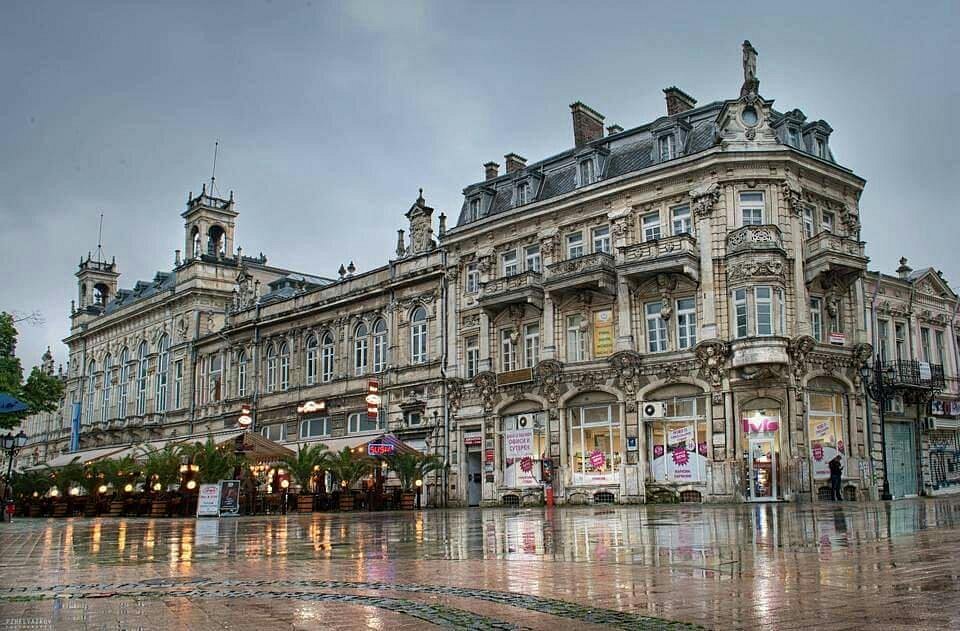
(208, 500)
(518, 443)
(680, 435)
(603, 333)
(229, 498)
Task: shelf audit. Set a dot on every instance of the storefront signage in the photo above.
(760, 424)
(603, 333)
(473, 439)
(380, 449)
(631, 443)
(208, 500)
(526, 464)
(925, 374)
(821, 429)
(838, 339)
(518, 443)
(597, 459)
(514, 376)
(488, 456)
(680, 435)
(229, 498)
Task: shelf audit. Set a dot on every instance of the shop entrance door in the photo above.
(901, 459)
(474, 478)
(763, 469)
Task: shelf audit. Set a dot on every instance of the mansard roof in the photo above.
(288, 286)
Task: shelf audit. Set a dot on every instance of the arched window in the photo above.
(312, 351)
(271, 368)
(91, 388)
(195, 239)
(418, 336)
(284, 366)
(142, 379)
(360, 343)
(379, 345)
(241, 374)
(163, 367)
(215, 377)
(326, 358)
(105, 392)
(124, 382)
(216, 241)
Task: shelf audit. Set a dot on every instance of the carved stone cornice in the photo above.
(703, 199)
(753, 269)
(712, 357)
(792, 197)
(486, 384)
(549, 375)
(627, 365)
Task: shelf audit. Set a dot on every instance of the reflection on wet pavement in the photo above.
(738, 566)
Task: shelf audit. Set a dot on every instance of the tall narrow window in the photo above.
(284, 366)
(764, 306)
(681, 219)
(586, 172)
(508, 263)
(200, 393)
(532, 254)
(474, 209)
(105, 392)
(656, 328)
(272, 368)
(163, 367)
(740, 311)
(124, 370)
(360, 343)
(472, 284)
(418, 336)
(941, 351)
(601, 239)
(472, 353)
(686, 323)
(241, 374)
(574, 245)
(900, 333)
(142, 379)
(379, 345)
(651, 227)
(91, 389)
(751, 208)
(313, 358)
(326, 358)
(531, 344)
(508, 351)
(667, 147)
(883, 333)
(826, 221)
(808, 222)
(576, 338)
(523, 191)
(215, 378)
(816, 318)
(178, 384)
(925, 344)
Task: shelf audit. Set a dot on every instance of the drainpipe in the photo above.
(871, 315)
(443, 374)
(193, 372)
(256, 367)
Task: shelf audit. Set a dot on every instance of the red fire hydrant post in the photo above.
(550, 495)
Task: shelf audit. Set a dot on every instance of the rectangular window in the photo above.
(276, 433)
(472, 353)
(359, 422)
(686, 323)
(826, 221)
(900, 333)
(532, 256)
(508, 352)
(794, 136)
(821, 148)
(883, 332)
(941, 351)
(656, 328)
(681, 220)
(531, 344)
(808, 222)
(781, 307)
(576, 340)
(816, 318)
(315, 427)
(522, 192)
(178, 384)
(508, 263)
(651, 227)
(472, 284)
(586, 172)
(601, 239)
(764, 306)
(215, 374)
(412, 418)
(474, 209)
(751, 208)
(678, 443)
(925, 344)
(667, 147)
(740, 311)
(574, 245)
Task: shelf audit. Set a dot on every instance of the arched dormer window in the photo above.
(163, 367)
(360, 344)
(312, 347)
(241, 374)
(91, 388)
(272, 363)
(124, 382)
(326, 358)
(418, 336)
(379, 345)
(284, 366)
(105, 391)
(142, 378)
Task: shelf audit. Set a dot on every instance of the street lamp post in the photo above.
(11, 446)
(880, 390)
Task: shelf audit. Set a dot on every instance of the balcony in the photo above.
(914, 375)
(671, 255)
(519, 289)
(593, 272)
(764, 238)
(754, 352)
(827, 252)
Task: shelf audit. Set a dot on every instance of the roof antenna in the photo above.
(100, 240)
(213, 175)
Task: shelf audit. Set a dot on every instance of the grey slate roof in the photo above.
(288, 286)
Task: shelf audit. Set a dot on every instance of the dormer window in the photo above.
(523, 193)
(793, 135)
(667, 146)
(474, 209)
(821, 148)
(586, 172)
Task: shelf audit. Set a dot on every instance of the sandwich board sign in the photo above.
(229, 498)
(208, 500)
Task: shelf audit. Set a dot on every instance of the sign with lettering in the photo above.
(597, 459)
(208, 500)
(760, 424)
(603, 333)
(473, 439)
(229, 498)
(518, 443)
(838, 339)
(680, 435)
(380, 449)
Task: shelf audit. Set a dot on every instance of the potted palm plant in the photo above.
(303, 466)
(347, 467)
(409, 469)
(64, 479)
(215, 462)
(122, 475)
(161, 469)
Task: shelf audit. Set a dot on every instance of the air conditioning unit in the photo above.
(894, 405)
(523, 422)
(653, 409)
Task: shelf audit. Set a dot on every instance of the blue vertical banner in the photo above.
(75, 428)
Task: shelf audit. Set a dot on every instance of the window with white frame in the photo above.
(651, 226)
(326, 357)
(808, 221)
(681, 220)
(601, 239)
(595, 451)
(163, 368)
(214, 377)
(678, 441)
(178, 384)
(242, 374)
(91, 389)
(315, 427)
(781, 311)
(941, 349)
(312, 359)
(531, 344)
(284, 366)
(472, 283)
(925, 344)
(124, 369)
(379, 345)
(360, 343)
(358, 422)
(200, 392)
(412, 418)
(883, 332)
(532, 256)
(276, 432)
(751, 208)
(826, 221)
(764, 310)
(576, 338)
(474, 209)
(686, 323)
(272, 364)
(418, 336)
(105, 391)
(816, 318)
(586, 172)
(508, 350)
(523, 192)
(574, 245)
(508, 263)
(656, 328)
(472, 355)
(740, 312)
(667, 146)
(900, 335)
(142, 379)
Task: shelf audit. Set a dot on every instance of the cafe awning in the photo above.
(256, 447)
(82, 457)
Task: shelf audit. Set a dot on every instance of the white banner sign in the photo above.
(518, 443)
(208, 500)
(680, 435)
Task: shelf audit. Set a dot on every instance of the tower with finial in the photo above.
(97, 279)
(46, 363)
(421, 227)
(209, 221)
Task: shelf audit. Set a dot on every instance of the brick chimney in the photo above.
(678, 101)
(514, 162)
(491, 170)
(587, 124)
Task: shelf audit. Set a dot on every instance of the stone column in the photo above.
(549, 335)
(703, 200)
(453, 292)
(484, 342)
(624, 321)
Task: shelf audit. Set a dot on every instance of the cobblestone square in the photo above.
(763, 566)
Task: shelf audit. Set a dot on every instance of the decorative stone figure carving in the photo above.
(751, 84)
(712, 355)
(627, 366)
(703, 199)
(486, 383)
(549, 373)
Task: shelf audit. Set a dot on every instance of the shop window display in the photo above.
(523, 447)
(595, 447)
(678, 442)
(825, 432)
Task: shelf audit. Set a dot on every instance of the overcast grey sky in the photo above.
(330, 115)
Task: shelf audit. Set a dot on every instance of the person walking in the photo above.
(836, 473)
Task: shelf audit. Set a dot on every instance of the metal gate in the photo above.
(901, 459)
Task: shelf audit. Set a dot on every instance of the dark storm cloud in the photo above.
(331, 115)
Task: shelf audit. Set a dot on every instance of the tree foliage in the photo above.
(412, 467)
(41, 392)
(301, 466)
(216, 462)
(347, 466)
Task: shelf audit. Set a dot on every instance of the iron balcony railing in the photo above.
(914, 374)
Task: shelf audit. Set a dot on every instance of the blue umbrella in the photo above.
(11, 405)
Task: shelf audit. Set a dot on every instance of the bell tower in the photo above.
(96, 281)
(209, 224)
